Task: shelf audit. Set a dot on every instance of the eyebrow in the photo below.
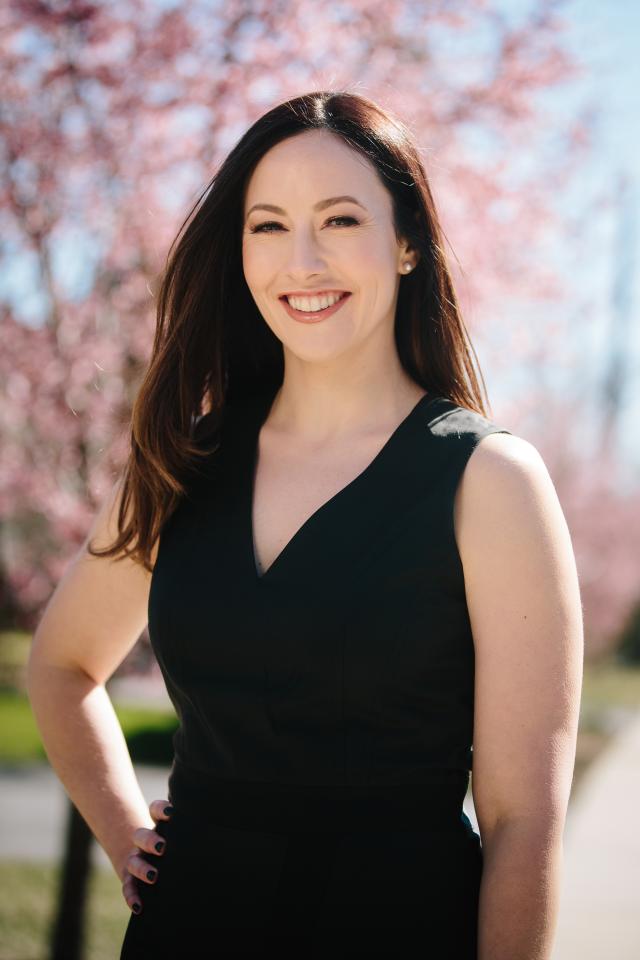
(320, 205)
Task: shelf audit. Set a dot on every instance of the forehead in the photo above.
(309, 167)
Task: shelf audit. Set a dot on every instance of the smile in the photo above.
(313, 316)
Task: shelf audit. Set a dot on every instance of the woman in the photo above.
(356, 577)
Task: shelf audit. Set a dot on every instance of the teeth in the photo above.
(313, 304)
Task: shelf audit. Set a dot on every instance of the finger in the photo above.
(160, 809)
(142, 869)
(149, 840)
(131, 894)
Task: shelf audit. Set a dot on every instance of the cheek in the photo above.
(259, 269)
(370, 263)
(253, 258)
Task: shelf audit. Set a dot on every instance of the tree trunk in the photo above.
(68, 938)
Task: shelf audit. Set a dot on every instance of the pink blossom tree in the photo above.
(114, 115)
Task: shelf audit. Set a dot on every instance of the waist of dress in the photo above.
(274, 806)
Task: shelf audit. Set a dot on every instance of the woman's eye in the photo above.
(260, 228)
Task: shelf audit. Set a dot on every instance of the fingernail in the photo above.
(168, 810)
(160, 846)
(151, 874)
(136, 907)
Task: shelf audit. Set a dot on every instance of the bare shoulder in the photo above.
(500, 455)
(505, 480)
(510, 527)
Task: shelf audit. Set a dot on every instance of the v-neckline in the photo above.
(255, 427)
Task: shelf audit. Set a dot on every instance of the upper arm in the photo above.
(525, 611)
(98, 609)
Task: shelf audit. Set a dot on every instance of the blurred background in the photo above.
(112, 118)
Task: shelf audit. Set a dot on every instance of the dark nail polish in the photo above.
(151, 874)
(136, 907)
(168, 811)
(160, 846)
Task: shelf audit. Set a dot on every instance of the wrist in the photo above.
(124, 846)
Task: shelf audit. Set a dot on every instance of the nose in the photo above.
(305, 254)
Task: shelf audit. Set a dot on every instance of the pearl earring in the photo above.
(407, 266)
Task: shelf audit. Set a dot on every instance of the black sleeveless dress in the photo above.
(326, 712)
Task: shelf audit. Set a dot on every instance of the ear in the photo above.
(408, 254)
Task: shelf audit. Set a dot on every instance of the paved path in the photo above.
(600, 905)
(34, 806)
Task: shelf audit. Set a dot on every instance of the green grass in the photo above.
(26, 914)
(611, 684)
(147, 731)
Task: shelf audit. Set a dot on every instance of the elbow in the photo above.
(43, 674)
(543, 828)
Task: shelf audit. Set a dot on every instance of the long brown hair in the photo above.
(212, 345)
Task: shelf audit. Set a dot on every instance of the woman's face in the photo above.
(346, 247)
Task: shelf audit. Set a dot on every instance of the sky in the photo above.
(604, 259)
(605, 36)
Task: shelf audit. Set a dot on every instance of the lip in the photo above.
(310, 293)
(303, 317)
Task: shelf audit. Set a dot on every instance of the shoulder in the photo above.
(507, 503)
(455, 433)
(446, 419)
(505, 465)
(502, 451)
(503, 483)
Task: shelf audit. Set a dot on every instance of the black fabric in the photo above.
(326, 712)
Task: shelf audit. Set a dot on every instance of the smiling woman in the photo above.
(359, 582)
(355, 261)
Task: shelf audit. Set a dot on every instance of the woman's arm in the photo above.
(91, 622)
(525, 610)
